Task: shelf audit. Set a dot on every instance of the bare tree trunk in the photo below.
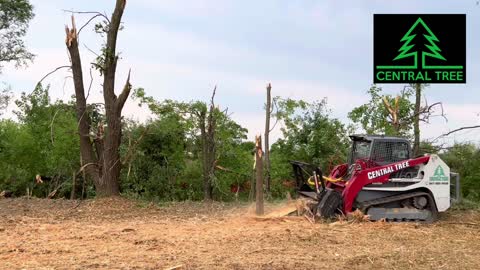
(259, 175)
(207, 133)
(268, 111)
(416, 120)
(103, 164)
(83, 118)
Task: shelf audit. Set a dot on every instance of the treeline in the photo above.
(165, 158)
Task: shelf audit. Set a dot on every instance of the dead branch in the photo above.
(89, 21)
(309, 215)
(51, 72)
(213, 96)
(51, 125)
(90, 85)
(88, 12)
(85, 166)
(133, 146)
(426, 112)
(456, 130)
(92, 51)
(275, 105)
(65, 84)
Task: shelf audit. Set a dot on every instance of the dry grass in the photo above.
(119, 234)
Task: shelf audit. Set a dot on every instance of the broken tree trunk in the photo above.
(259, 175)
(207, 132)
(393, 111)
(102, 157)
(268, 111)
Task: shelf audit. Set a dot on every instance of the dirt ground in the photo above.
(122, 234)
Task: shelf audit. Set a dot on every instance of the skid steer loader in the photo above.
(381, 179)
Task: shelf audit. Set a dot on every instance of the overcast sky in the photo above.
(307, 49)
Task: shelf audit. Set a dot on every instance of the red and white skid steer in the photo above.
(381, 179)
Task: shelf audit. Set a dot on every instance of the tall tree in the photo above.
(14, 18)
(268, 111)
(101, 158)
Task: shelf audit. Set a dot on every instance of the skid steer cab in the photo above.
(381, 179)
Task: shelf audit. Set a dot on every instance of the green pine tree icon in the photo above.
(434, 50)
(439, 171)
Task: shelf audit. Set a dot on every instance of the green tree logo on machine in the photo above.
(439, 175)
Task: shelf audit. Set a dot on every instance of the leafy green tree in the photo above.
(375, 118)
(43, 142)
(427, 147)
(310, 134)
(157, 162)
(18, 156)
(14, 18)
(464, 158)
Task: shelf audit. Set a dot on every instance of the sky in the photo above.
(306, 49)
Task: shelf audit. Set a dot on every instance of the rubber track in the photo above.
(394, 198)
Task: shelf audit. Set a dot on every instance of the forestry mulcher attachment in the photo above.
(381, 179)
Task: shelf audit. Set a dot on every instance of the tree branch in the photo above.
(93, 52)
(111, 54)
(274, 105)
(456, 130)
(131, 148)
(88, 12)
(126, 91)
(89, 21)
(51, 72)
(51, 125)
(213, 95)
(90, 85)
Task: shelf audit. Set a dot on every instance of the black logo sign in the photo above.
(419, 48)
